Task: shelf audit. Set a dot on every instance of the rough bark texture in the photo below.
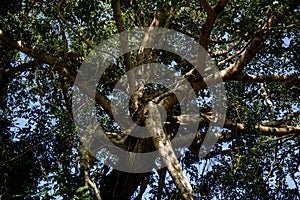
(125, 184)
(166, 152)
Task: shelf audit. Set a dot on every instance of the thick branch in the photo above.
(255, 45)
(212, 13)
(265, 130)
(124, 41)
(279, 78)
(166, 152)
(208, 9)
(157, 21)
(60, 67)
(20, 45)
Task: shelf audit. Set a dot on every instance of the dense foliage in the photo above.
(255, 45)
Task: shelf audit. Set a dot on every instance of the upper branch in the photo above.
(255, 45)
(124, 41)
(264, 129)
(60, 67)
(290, 80)
(212, 13)
(20, 45)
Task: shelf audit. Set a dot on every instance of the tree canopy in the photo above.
(255, 48)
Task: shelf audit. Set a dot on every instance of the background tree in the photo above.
(255, 45)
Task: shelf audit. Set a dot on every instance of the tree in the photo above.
(254, 44)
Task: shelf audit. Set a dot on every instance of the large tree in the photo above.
(254, 45)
